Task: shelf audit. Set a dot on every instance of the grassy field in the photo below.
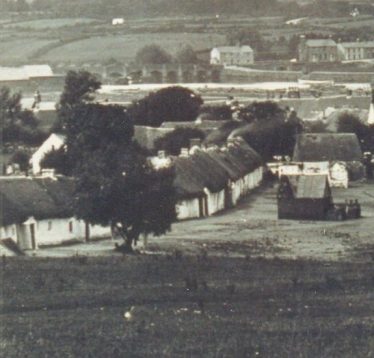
(19, 50)
(51, 23)
(196, 306)
(124, 47)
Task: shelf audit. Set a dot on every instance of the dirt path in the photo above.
(252, 229)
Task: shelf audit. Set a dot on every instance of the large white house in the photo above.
(232, 55)
(36, 212)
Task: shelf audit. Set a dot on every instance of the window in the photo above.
(70, 226)
(49, 225)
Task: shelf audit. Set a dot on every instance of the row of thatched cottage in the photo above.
(35, 211)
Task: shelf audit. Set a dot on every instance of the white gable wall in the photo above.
(188, 209)
(53, 142)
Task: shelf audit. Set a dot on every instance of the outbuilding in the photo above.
(304, 197)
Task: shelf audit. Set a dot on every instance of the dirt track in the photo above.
(253, 229)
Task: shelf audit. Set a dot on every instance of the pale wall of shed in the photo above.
(188, 209)
(216, 201)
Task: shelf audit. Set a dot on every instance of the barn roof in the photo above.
(309, 186)
(41, 198)
(316, 147)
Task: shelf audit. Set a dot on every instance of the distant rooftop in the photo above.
(320, 43)
(25, 73)
(234, 49)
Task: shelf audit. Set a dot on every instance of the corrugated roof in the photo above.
(311, 187)
(317, 147)
(308, 186)
(320, 43)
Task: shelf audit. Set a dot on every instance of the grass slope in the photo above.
(185, 307)
(125, 47)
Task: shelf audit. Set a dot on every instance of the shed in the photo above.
(304, 197)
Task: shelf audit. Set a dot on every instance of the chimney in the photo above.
(161, 154)
(195, 142)
(184, 152)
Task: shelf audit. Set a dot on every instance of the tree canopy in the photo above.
(171, 104)
(17, 125)
(271, 130)
(115, 183)
(152, 54)
(174, 141)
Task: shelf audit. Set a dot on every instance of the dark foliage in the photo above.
(58, 160)
(350, 123)
(272, 130)
(217, 112)
(152, 54)
(21, 158)
(177, 139)
(186, 55)
(172, 104)
(17, 125)
(114, 183)
(79, 87)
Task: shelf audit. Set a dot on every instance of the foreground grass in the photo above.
(185, 307)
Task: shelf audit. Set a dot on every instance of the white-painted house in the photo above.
(210, 180)
(232, 55)
(53, 142)
(36, 212)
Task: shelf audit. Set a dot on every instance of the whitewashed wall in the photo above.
(187, 209)
(9, 232)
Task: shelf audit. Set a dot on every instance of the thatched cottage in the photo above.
(36, 212)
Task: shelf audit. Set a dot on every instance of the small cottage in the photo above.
(36, 212)
(304, 197)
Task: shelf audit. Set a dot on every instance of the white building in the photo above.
(53, 142)
(210, 180)
(118, 21)
(232, 55)
(36, 212)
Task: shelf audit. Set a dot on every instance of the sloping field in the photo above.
(20, 50)
(124, 47)
(50, 23)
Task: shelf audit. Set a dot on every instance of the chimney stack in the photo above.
(161, 154)
(195, 142)
(184, 152)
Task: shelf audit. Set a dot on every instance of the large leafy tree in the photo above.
(16, 124)
(115, 183)
(80, 87)
(271, 130)
(171, 104)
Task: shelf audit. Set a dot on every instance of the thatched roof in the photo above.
(213, 168)
(41, 198)
(317, 147)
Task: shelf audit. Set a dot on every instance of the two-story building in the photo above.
(232, 55)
